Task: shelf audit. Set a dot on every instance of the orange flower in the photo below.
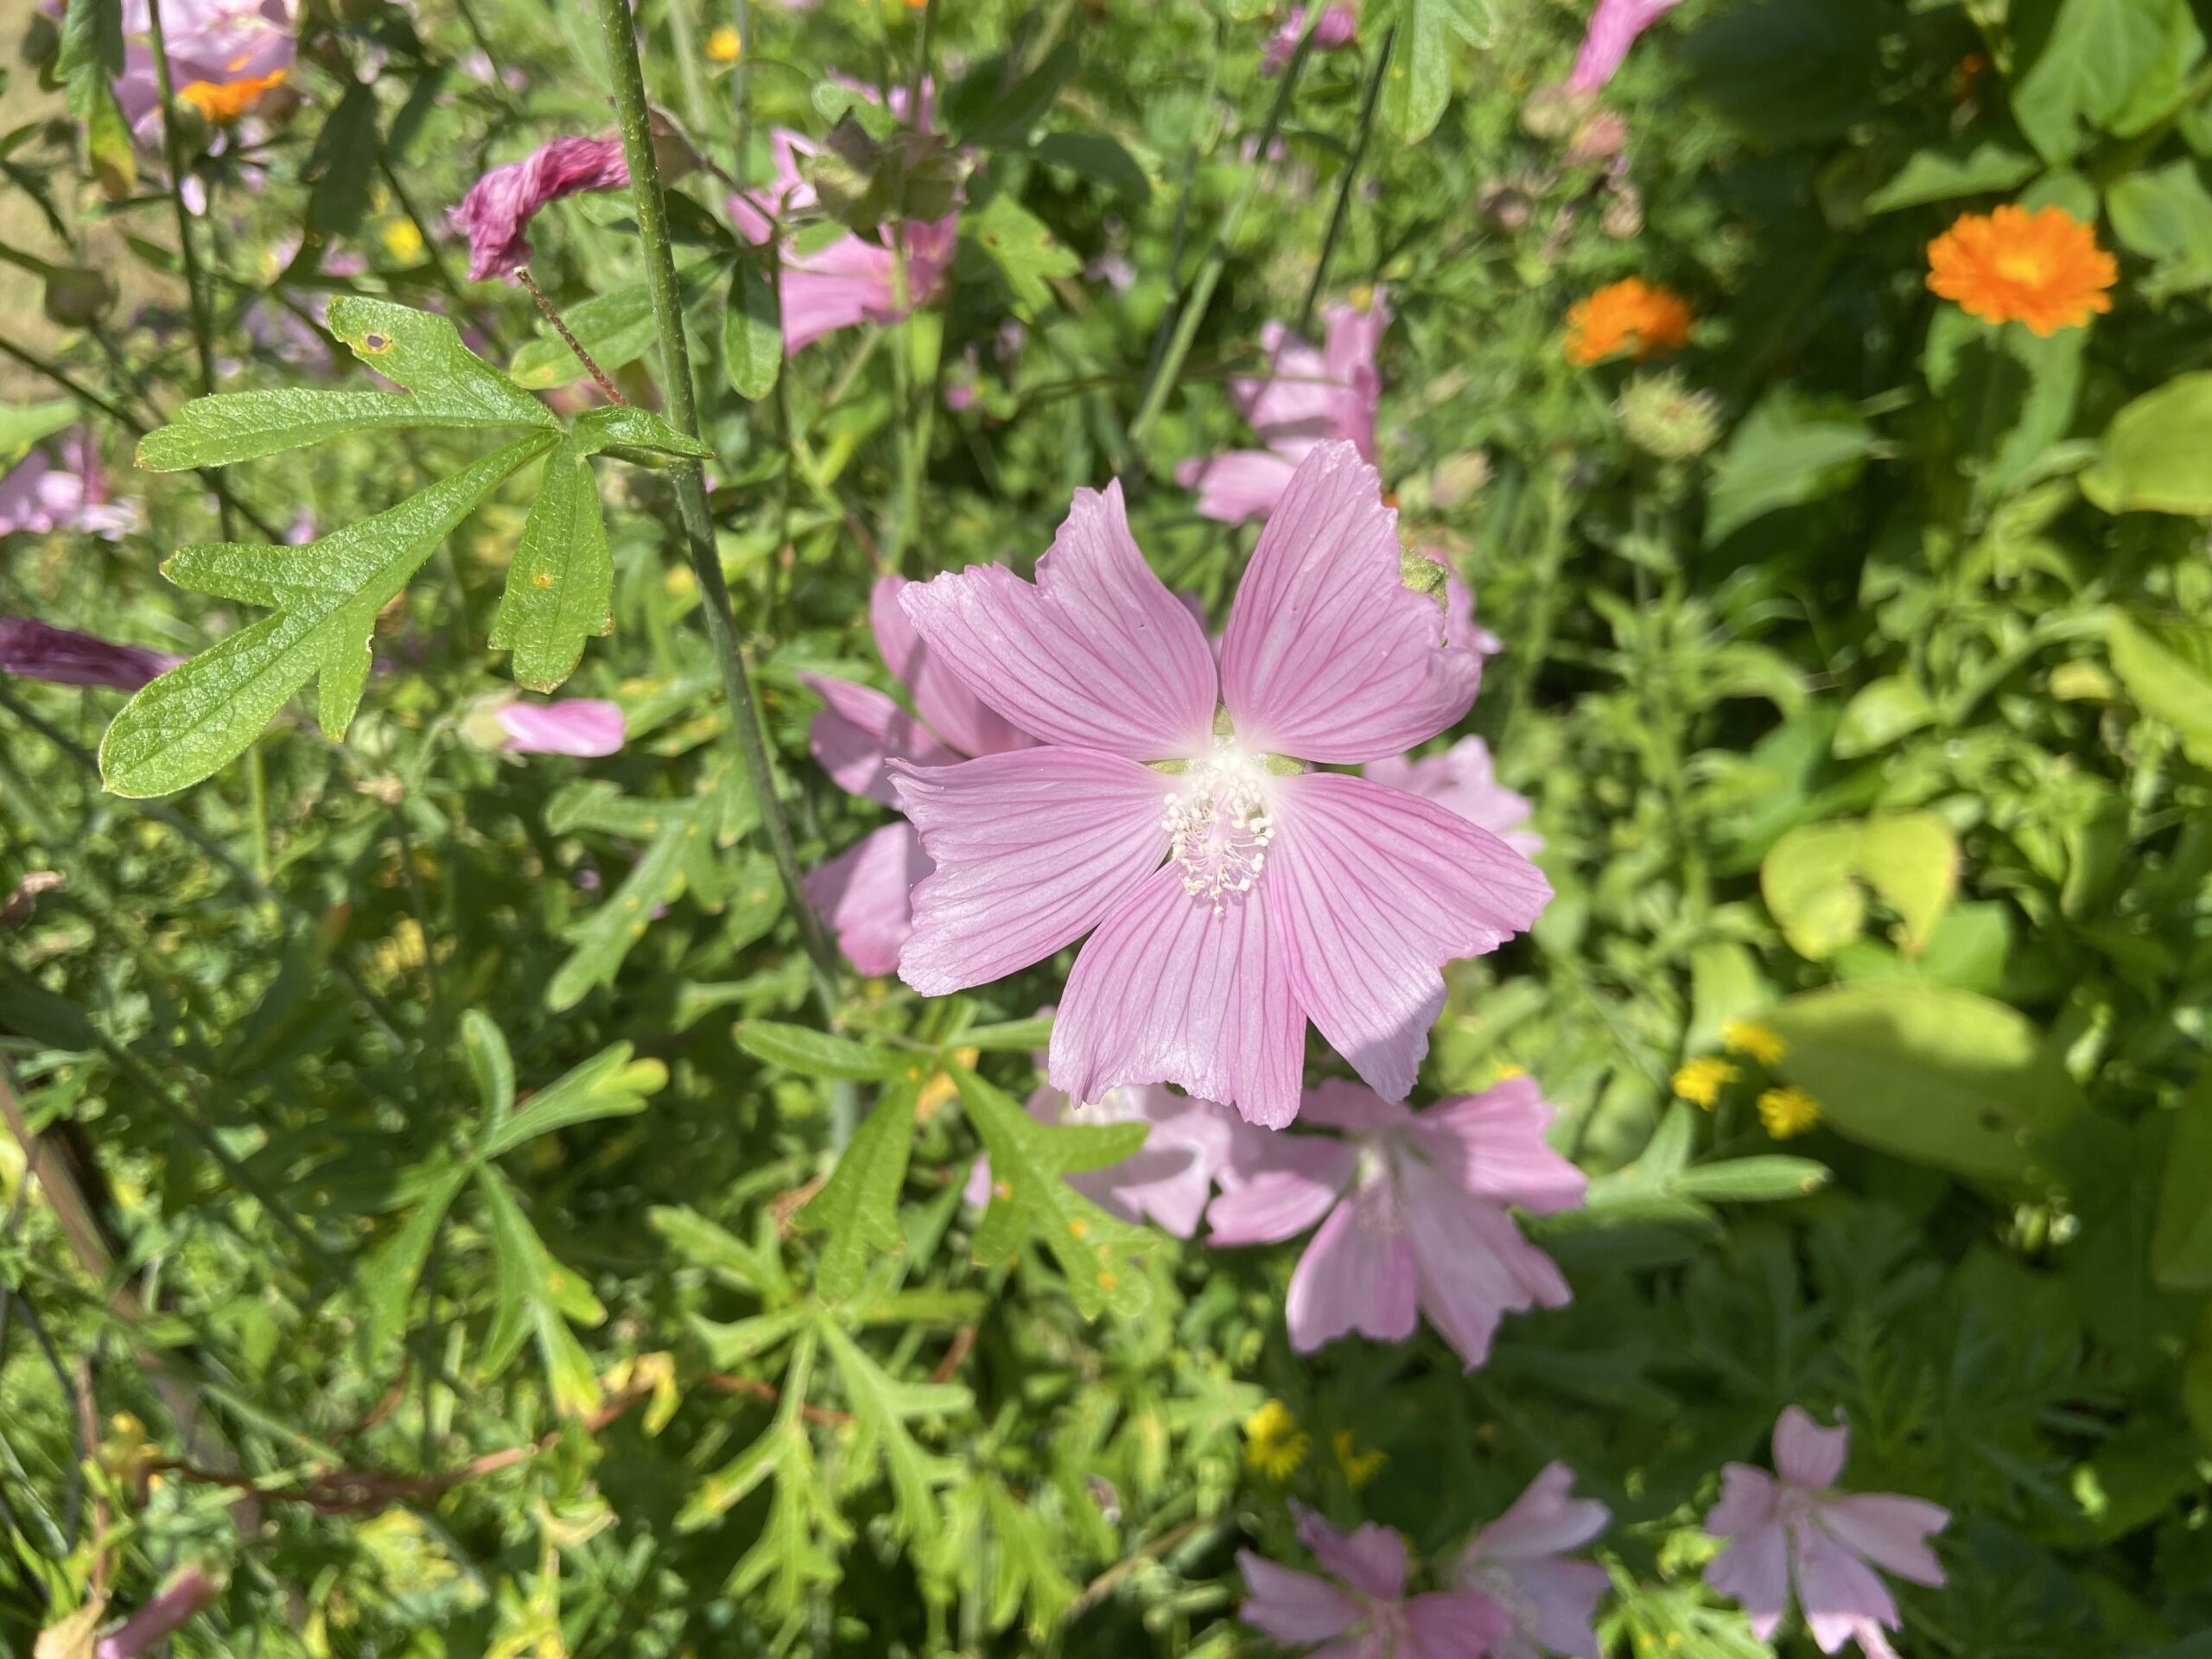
(1631, 316)
(2043, 268)
(223, 104)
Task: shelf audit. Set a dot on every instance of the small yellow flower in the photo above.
(1274, 1443)
(1359, 1467)
(1752, 1040)
(403, 239)
(1700, 1081)
(724, 44)
(1789, 1112)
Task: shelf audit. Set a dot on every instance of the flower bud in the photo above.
(1623, 220)
(1553, 112)
(1661, 415)
(76, 296)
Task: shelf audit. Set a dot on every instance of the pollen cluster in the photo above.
(1218, 826)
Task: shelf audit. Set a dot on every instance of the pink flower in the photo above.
(1613, 28)
(1235, 893)
(1517, 1562)
(1460, 779)
(38, 650)
(1307, 398)
(1168, 1180)
(224, 56)
(1365, 1612)
(1339, 27)
(185, 1595)
(497, 211)
(863, 891)
(1413, 1214)
(1794, 1524)
(38, 496)
(578, 726)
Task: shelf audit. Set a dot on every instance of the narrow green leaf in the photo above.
(816, 1053)
(604, 940)
(491, 1064)
(609, 1085)
(342, 167)
(538, 1296)
(2181, 1243)
(711, 1246)
(23, 424)
(1101, 160)
(1752, 1181)
(752, 331)
(1954, 170)
(1007, 118)
(198, 717)
(882, 1406)
(858, 1206)
(1009, 1035)
(615, 327)
(390, 1272)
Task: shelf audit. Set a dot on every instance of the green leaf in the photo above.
(1030, 1199)
(1007, 118)
(2181, 1243)
(2158, 451)
(1806, 880)
(2084, 61)
(1417, 85)
(656, 879)
(858, 1206)
(882, 1406)
(1911, 859)
(197, 718)
(1752, 1181)
(1032, 1034)
(1936, 1076)
(491, 1064)
(711, 1246)
(1023, 250)
(390, 1273)
(89, 59)
(738, 1341)
(616, 328)
(816, 1053)
(609, 1085)
(343, 165)
(2166, 215)
(538, 1296)
(1791, 449)
(23, 425)
(752, 331)
(419, 350)
(1879, 713)
(1952, 171)
(1098, 158)
(2167, 669)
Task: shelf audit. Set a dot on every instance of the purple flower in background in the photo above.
(1236, 894)
(1361, 1609)
(1518, 1562)
(1412, 1213)
(1337, 27)
(586, 727)
(1461, 780)
(184, 1595)
(225, 56)
(1613, 28)
(1794, 1524)
(38, 650)
(38, 496)
(1308, 397)
(496, 213)
(863, 893)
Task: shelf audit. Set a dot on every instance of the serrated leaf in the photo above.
(752, 331)
(858, 1206)
(1030, 1199)
(390, 1273)
(657, 879)
(87, 63)
(882, 1406)
(195, 719)
(609, 1085)
(448, 385)
(711, 1246)
(538, 1296)
(1018, 243)
(816, 1053)
(616, 328)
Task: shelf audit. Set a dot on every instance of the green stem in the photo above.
(697, 522)
(1530, 653)
(686, 46)
(1192, 312)
(741, 21)
(921, 72)
(1337, 214)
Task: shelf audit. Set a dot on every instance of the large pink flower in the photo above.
(1361, 1609)
(225, 57)
(38, 651)
(1794, 1524)
(1463, 780)
(863, 891)
(1235, 893)
(38, 496)
(1613, 28)
(495, 214)
(1308, 398)
(1518, 1561)
(1413, 1207)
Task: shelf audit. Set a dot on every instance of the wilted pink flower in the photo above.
(1168, 1180)
(1338, 26)
(1362, 1610)
(1794, 1524)
(495, 214)
(38, 496)
(184, 1595)
(38, 650)
(1416, 1213)
(225, 56)
(1613, 28)
(863, 891)
(1308, 397)
(1237, 894)
(1517, 1563)
(578, 726)
(1461, 779)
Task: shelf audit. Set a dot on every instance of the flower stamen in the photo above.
(1218, 825)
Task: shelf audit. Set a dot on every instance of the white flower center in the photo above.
(1218, 824)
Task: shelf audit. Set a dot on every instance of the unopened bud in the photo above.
(1553, 112)
(1505, 206)
(76, 296)
(1623, 220)
(1661, 415)
(1600, 138)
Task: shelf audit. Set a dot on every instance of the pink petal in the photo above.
(1034, 848)
(1328, 655)
(1746, 1502)
(1613, 28)
(1293, 1607)
(1240, 486)
(1095, 652)
(1754, 1573)
(1376, 891)
(1358, 1274)
(1454, 1625)
(1460, 781)
(1805, 1455)
(38, 651)
(1170, 1179)
(1888, 1530)
(1354, 337)
(1838, 1590)
(1563, 1595)
(1339, 1104)
(1493, 1145)
(1471, 1264)
(1372, 1559)
(1303, 1176)
(955, 713)
(587, 727)
(862, 732)
(1166, 991)
(495, 215)
(1545, 1520)
(838, 287)
(864, 895)
(1294, 403)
